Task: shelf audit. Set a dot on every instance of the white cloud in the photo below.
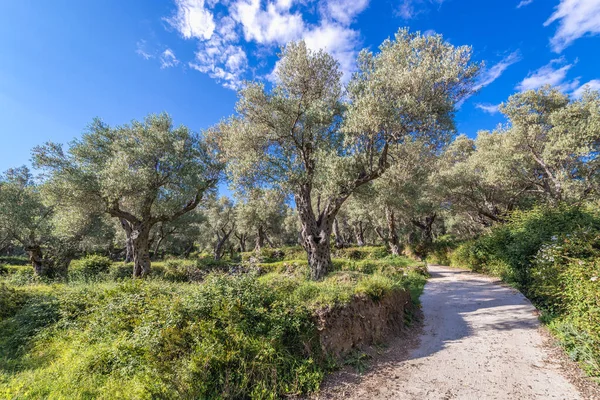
(193, 19)
(524, 3)
(411, 8)
(489, 75)
(142, 50)
(550, 74)
(488, 108)
(338, 41)
(272, 25)
(429, 32)
(594, 84)
(222, 31)
(576, 19)
(343, 11)
(222, 61)
(168, 59)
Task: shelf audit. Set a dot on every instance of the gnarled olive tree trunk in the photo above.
(128, 240)
(140, 235)
(36, 258)
(393, 242)
(219, 247)
(242, 241)
(260, 239)
(359, 234)
(339, 239)
(315, 234)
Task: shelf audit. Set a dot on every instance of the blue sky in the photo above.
(64, 62)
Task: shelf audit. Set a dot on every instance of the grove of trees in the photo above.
(310, 161)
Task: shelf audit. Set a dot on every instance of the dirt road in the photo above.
(480, 340)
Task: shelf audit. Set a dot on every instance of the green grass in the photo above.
(226, 336)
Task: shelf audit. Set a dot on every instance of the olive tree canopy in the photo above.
(143, 173)
(50, 233)
(304, 136)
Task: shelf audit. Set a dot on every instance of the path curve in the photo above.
(480, 340)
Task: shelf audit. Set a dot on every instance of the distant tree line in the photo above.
(311, 162)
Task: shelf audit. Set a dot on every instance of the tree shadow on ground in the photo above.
(451, 298)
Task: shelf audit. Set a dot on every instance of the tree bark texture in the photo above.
(315, 236)
(393, 241)
(339, 239)
(128, 240)
(359, 234)
(37, 260)
(260, 239)
(140, 236)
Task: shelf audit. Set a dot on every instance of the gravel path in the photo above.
(479, 340)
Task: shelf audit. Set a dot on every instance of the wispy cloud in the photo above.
(168, 59)
(489, 75)
(343, 11)
(594, 84)
(142, 50)
(576, 18)
(223, 33)
(193, 19)
(410, 9)
(488, 108)
(524, 3)
(553, 74)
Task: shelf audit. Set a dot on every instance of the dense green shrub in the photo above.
(14, 260)
(120, 271)
(361, 253)
(269, 255)
(19, 274)
(566, 285)
(553, 256)
(90, 266)
(10, 301)
(508, 249)
(440, 250)
(231, 336)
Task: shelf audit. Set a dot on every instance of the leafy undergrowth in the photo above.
(247, 335)
(553, 256)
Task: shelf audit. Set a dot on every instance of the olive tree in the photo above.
(466, 177)
(219, 224)
(37, 221)
(144, 173)
(303, 136)
(405, 194)
(550, 145)
(261, 213)
(24, 216)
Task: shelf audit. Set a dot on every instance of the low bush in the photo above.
(90, 266)
(441, 249)
(18, 274)
(553, 256)
(10, 301)
(14, 260)
(231, 336)
(566, 285)
(270, 255)
(361, 253)
(508, 249)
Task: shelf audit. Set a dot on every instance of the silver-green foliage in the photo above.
(304, 137)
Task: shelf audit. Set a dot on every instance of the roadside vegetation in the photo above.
(553, 256)
(194, 329)
(124, 274)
